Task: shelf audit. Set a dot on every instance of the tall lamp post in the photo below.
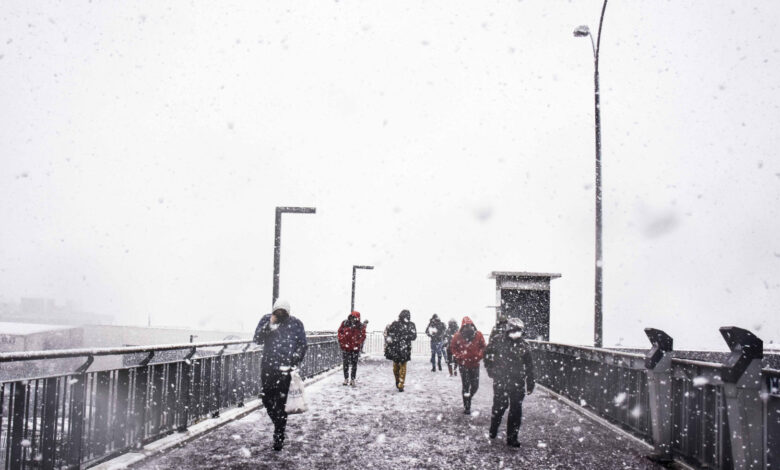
(278, 241)
(354, 270)
(582, 31)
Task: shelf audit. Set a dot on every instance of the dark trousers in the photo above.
(275, 385)
(469, 377)
(507, 394)
(451, 360)
(350, 358)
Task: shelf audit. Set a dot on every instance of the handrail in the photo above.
(694, 362)
(591, 349)
(66, 353)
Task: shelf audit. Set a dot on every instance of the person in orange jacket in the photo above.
(352, 334)
(468, 347)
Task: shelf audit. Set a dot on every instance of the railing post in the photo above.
(76, 414)
(742, 388)
(658, 362)
(185, 394)
(19, 424)
(49, 427)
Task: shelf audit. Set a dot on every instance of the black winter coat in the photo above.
(284, 344)
(436, 330)
(509, 360)
(398, 340)
(451, 330)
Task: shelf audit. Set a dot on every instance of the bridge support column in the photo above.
(658, 362)
(742, 388)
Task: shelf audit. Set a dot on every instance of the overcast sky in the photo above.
(144, 146)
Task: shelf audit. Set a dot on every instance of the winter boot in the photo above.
(512, 442)
(439, 366)
(449, 368)
(433, 367)
(345, 382)
(278, 441)
(352, 382)
(466, 405)
(495, 423)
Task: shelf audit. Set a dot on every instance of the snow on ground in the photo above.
(372, 426)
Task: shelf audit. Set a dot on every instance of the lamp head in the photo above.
(581, 31)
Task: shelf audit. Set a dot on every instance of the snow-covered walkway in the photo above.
(372, 426)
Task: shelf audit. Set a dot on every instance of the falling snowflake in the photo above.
(700, 381)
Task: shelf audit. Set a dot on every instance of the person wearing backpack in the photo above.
(352, 334)
(508, 362)
(284, 346)
(468, 347)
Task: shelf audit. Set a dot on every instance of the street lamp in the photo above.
(582, 31)
(278, 241)
(354, 269)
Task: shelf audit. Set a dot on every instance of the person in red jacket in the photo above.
(468, 347)
(352, 333)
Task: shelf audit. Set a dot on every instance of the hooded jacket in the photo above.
(284, 343)
(467, 352)
(352, 333)
(436, 330)
(452, 328)
(508, 358)
(398, 338)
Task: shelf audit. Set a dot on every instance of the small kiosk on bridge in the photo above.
(525, 295)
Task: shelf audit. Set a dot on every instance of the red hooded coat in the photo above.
(467, 353)
(351, 337)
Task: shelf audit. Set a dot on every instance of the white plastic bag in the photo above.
(296, 402)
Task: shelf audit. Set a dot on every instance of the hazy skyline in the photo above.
(145, 146)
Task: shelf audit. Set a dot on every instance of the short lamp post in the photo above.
(354, 270)
(278, 241)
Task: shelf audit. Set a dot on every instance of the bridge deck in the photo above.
(373, 426)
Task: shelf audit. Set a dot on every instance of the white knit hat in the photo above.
(281, 304)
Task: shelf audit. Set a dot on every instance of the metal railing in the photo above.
(375, 344)
(707, 414)
(84, 417)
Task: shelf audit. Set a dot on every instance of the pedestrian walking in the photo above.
(468, 346)
(352, 334)
(436, 331)
(284, 347)
(452, 328)
(508, 362)
(398, 345)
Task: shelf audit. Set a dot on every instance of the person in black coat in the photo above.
(436, 331)
(452, 328)
(508, 362)
(398, 345)
(284, 347)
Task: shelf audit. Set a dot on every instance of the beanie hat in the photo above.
(281, 305)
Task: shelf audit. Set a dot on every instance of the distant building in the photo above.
(46, 311)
